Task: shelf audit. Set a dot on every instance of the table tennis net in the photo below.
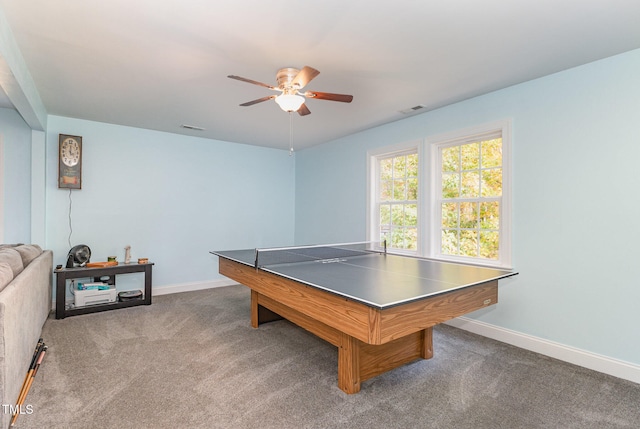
(289, 255)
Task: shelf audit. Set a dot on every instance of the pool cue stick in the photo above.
(23, 395)
(32, 366)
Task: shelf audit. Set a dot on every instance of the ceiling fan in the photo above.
(290, 82)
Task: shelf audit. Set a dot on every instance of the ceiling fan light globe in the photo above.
(289, 102)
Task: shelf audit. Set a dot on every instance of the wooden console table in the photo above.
(64, 274)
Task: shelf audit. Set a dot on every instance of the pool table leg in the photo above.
(358, 361)
(260, 314)
(349, 364)
(426, 351)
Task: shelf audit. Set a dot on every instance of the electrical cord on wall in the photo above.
(72, 283)
(70, 227)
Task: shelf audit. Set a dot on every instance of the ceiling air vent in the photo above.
(413, 109)
(192, 127)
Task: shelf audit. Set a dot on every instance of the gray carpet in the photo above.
(191, 360)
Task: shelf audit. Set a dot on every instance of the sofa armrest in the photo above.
(25, 305)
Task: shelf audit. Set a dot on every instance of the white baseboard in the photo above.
(596, 362)
(188, 287)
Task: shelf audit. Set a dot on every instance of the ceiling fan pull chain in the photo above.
(290, 133)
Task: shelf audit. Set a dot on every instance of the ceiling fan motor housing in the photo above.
(285, 76)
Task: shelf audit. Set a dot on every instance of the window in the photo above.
(395, 199)
(459, 209)
(398, 201)
(469, 198)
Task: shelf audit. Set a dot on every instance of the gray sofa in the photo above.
(25, 303)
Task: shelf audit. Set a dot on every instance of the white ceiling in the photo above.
(158, 64)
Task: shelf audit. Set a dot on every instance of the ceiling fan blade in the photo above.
(255, 82)
(303, 110)
(344, 98)
(259, 100)
(304, 76)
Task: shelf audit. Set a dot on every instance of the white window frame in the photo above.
(486, 131)
(430, 189)
(373, 191)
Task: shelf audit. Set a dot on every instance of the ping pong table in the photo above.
(377, 308)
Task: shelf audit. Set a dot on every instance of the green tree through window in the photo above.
(446, 197)
(398, 201)
(471, 196)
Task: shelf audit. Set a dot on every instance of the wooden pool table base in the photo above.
(370, 340)
(357, 361)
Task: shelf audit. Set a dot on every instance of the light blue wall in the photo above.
(17, 177)
(172, 198)
(576, 151)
